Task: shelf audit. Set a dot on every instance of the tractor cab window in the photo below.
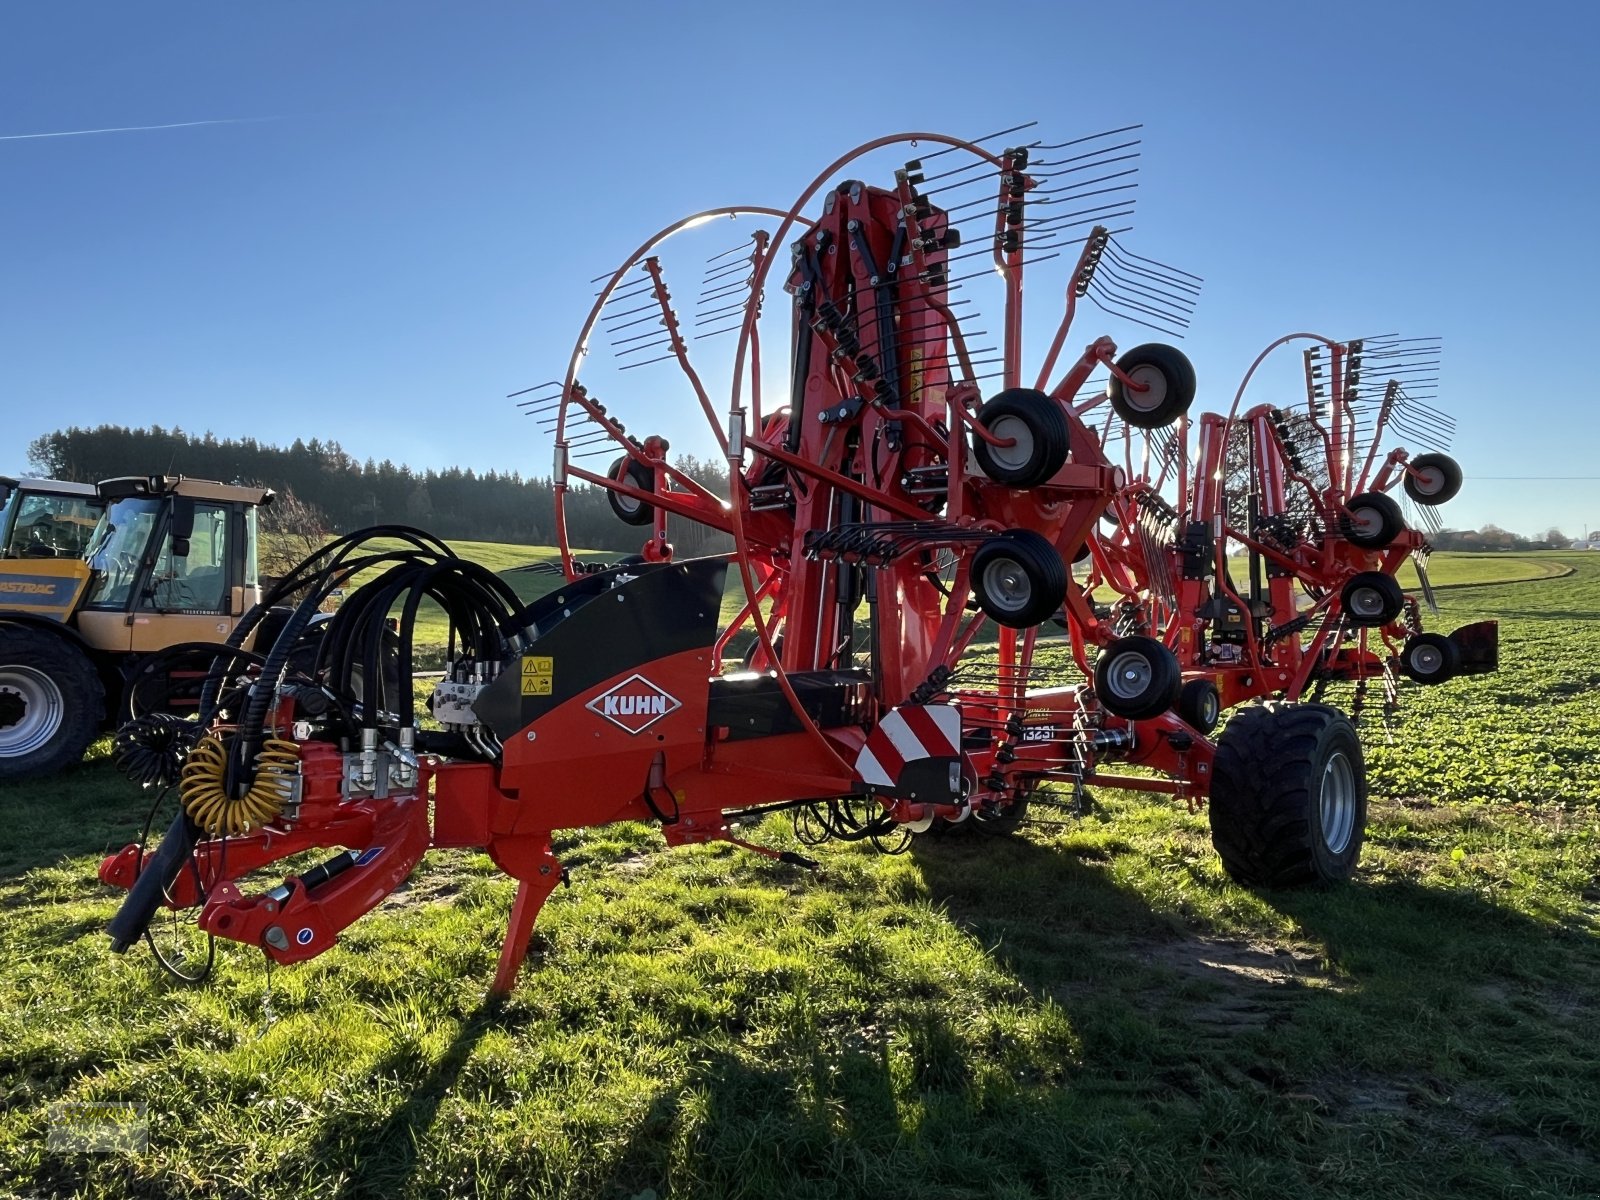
(118, 549)
(45, 526)
(191, 573)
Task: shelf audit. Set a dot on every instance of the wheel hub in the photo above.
(1130, 675)
(1366, 602)
(1008, 584)
(1014, 429)
(1427, 660)
(1155, 389)
(31, 710)
(1337, 803)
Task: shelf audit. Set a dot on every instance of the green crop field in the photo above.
(1088, 1009)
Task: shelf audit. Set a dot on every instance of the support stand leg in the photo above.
(538, 873)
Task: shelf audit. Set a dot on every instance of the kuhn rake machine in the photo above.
(959, 580)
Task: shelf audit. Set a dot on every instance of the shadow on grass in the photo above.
(378, 1157)
(86, 810)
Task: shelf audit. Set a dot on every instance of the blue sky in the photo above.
(411, 235)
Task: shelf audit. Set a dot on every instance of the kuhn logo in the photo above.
(635, 704)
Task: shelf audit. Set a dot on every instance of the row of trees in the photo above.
(1492, 537)
(344, 494)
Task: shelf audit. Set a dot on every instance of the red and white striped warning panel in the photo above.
(912, 733)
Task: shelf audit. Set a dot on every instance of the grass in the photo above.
(1089, 1009)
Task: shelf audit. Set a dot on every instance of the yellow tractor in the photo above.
(92, 579)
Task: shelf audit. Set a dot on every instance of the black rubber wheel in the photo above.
(1000, 821)
(1137, 678)
(1373, 520)
(1372, 599)
(629, 510)
(1036, 424)
(1018, 579)
(52, 703)
(1437, 478)
(1200, 705)
(1430, 658)
(1168, 376)
(1288, 796)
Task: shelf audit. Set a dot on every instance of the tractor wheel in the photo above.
(1168, 378)
(51, 702)
(1430, 658)
(1373, 521)
(1018, 579)
(629, 510)
(1433, 478)
(1200, 705)
(1038, 430)
(1372, 599)
(1137, 678)
(1289, 796)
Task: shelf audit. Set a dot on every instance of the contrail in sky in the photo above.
(23, 137)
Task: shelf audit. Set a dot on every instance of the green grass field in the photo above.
(1088, 1009)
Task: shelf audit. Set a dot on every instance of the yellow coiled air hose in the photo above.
(201, 786)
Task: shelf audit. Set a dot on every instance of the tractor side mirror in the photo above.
(182, 525)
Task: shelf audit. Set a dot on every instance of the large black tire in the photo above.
(629, 510)
(52, 703)
(1018, 579)
(1169, 379)
(1437, 478)
(1373, 520)
(1038, 428)
(1288, 796)
(1372, 599)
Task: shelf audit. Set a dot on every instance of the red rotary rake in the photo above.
(923, 651)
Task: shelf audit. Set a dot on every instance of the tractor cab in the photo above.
(172, 560)
(46, 518)
(45, 525)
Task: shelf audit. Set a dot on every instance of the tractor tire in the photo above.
(1438, 478)
(1200, 705)
(1137, 678)
(1169, 379)
(630, 511)
(1430, 658)
(1372, 599)
(1288, 801)
(1373, 521)
(1018, 579)
(52, 703)
(1038, 428)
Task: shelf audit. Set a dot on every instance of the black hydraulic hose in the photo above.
(156, 874)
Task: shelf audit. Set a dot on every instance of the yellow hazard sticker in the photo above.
(538, 676)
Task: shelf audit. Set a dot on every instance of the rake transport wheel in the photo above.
(1018, 578)
(1037, 428)
(1137, 678)
(1430, 658)
(1200, 705)
(628, 509)
(1169, 382)
(51, 702)
(1289, 796)
(1372, 599)
(1433, 478)
(1373, 520)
